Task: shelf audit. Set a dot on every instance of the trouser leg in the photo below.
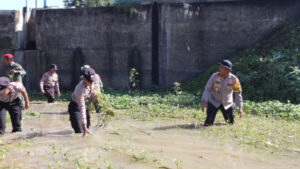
(15, 112)
(50, 94)
(211, 114)
(76, 122)
(88, 118)
(2, 120)
(228, 114)
(76, 117)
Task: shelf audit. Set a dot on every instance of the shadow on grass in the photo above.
(188, 126)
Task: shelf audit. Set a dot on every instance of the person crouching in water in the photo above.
(10, 101)
(78, 109)
(49, 84)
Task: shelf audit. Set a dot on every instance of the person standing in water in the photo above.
(10, 101)
(78, 109)
(218, 94)
(49, 83)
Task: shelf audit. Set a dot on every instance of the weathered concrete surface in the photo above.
(101, 37)
(195, 36)
(191, 37)
(9, 21)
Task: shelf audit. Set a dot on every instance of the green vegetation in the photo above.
(267, 71)
(88, 3)
(147, 105)
(32, 113)
(38, 96)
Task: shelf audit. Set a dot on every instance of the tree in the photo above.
(87, 3)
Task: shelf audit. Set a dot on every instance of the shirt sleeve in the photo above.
(19, 87)
(237, 90)
(22, 72)
(94, 94)
(44, 77)
(208, 87)
(57, 84)
(81, 105)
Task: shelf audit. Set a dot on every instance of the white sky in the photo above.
(18, 4)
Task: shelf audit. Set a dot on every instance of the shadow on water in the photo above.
(37, 103)
(188, 126)
(10, 139)
(64, 133)
(54, 113)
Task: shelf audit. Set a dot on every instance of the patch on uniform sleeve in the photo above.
(237, 88)
(19, 67)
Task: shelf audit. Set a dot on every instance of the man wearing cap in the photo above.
(98, 81)
(78, 109)
(218, 94)
(10, 101)
(49, 83)
(15, 70)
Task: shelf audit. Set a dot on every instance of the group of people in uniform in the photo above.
(13, 95)
(218, 95)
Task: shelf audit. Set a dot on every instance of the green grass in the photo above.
(38, 96)
(267, 71)
(260, 133)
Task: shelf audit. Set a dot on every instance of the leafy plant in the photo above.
(133, 79)
(177, 88)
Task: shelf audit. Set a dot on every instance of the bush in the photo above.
(267, 71)
(274, 109)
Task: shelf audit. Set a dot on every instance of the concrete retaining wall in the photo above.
(105, 38)
(165, 42)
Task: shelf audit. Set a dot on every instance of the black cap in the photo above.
(89, 74)
(227, 64)
(53, 66)
(4, 82)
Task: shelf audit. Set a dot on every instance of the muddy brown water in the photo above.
(48, 141)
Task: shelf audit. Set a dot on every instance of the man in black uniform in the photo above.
(78, 109)
(10, 101)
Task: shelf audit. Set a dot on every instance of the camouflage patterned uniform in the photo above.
(16, 77)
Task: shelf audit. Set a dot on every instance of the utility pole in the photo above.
(45, 3)
(35, 4)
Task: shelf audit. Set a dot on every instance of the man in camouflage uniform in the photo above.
(49, 83)
(218, 94)
(15, 71)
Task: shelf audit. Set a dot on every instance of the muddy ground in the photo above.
(47, 141)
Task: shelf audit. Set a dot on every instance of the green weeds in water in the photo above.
(32, 113)
(178, 162)
(107, 163)
(266, 125)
